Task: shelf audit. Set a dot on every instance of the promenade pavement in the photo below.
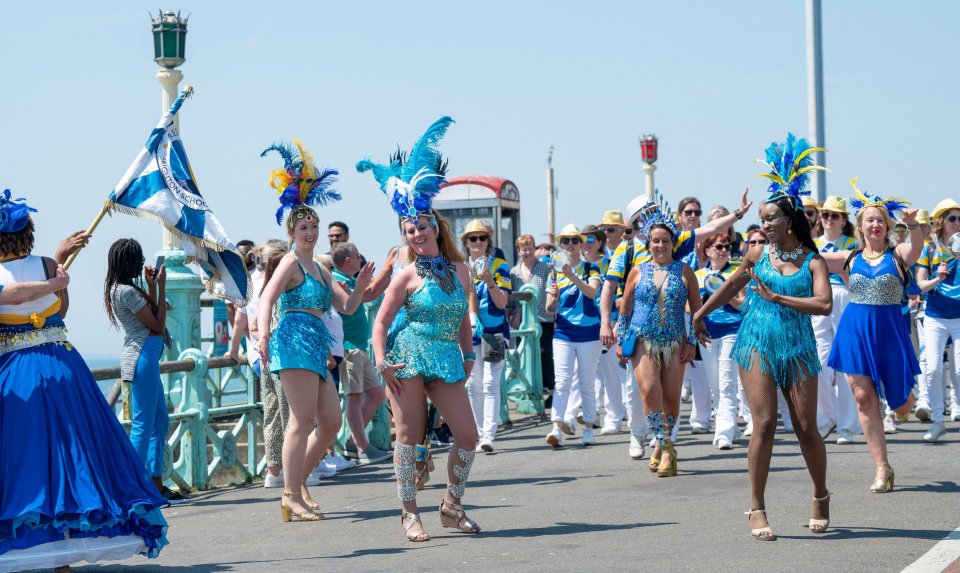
(588, 509)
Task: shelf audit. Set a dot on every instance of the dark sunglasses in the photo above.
(570, 241)
(830, 216)
(758, 242)
(722, 247)
(475, 238)
(628, 231)
(609, 230)
(952, 218)
(811, 212)
(693, 213)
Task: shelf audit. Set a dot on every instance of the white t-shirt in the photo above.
(334, 323)
(253, 304)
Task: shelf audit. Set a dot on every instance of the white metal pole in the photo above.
(815, 95)
(170, 82)
(648, 169)
(550, 197)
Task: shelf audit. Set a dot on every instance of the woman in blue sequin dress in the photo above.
(873, 346)
(655, 296)
(72, 488)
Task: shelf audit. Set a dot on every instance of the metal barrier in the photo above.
(205, 431)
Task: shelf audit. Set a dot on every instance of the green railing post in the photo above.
(522, 379)
(192, 464)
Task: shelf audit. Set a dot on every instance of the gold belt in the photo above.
(11, 341)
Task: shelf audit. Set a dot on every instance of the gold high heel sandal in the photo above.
(654, 464)
(884, 480)
(820, 525)
(447, 520)
(413, 518)
(668, 468)
(761, 533)
(286, 513)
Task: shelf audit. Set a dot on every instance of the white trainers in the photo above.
(321, 471)
(569, 427)
(723, 444)
(610, 430)
(922, 413)
(955, 413)
(826, 429)
(339, 462)
(588, 439)
(555, 438)
(844, 437)
(698, 428)
(636, 450)
(272, 480)
(936, 431)
(889, 426)
(748, 431)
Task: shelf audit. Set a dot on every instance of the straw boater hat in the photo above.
(923, 217)
(944, 206)
(835, 204)
(612, 219)
(475, 226)
(570, 230)
(809, 201)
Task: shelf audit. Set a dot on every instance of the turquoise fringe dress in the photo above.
(781, 337)
(425, 333)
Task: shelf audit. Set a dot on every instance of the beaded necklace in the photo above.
(441, 269)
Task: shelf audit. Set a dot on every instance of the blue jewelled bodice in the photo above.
(878, 284)
(311, 293)
(433, 313)
(651, 325)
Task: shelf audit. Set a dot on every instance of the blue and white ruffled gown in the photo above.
(72, 488)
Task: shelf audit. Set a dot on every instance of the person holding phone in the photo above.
(142, 315)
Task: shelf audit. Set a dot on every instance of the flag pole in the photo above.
(90, 229)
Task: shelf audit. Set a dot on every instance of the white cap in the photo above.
(634, 207)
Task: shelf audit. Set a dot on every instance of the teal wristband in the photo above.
(469, 356)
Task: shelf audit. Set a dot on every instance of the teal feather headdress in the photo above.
(656, 212)
(862, 200)
(412, 181)
(790, 163)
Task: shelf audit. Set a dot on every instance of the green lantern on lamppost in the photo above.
(169, 39)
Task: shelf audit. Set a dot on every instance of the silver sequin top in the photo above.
(876, 285)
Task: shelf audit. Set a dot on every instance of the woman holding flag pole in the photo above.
(297, 350)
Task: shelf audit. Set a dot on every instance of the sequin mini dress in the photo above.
(425, 333)
(872, 338)
(661, 333)
(779, 336)
(301, 340)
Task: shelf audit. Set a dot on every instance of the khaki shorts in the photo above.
(357, 373)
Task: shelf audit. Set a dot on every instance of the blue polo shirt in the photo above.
(493, 319)
(725, 320)
(943, 301)
(578, 317)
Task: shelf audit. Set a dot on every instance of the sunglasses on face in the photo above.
(827, 215)
(722, 247)
(692, 213)
(609, 230)
(952, 218)
(570, 241)
(475, 238)
(591, 240)
(811, 212)
(758, 242)
(628, 232)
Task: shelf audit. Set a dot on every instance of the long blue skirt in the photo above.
(67, 468)
(873, 341)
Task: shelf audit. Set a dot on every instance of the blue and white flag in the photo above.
(160, 185)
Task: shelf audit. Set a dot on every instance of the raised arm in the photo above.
(345, 300)
(910, 252)
(723, 223)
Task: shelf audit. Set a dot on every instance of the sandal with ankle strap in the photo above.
(454, 521)
(286, 514)
(760, 533)
(883, 484)
(412, 519)
(819, 526)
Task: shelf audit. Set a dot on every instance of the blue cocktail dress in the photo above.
(301, 340)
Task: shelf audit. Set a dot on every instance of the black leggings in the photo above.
(546, 355)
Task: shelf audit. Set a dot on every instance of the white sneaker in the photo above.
(569, 427)
(936, 431)
(844, 437)
(588, 439)
(555, 438)
(698, 428)
(748, 431)
(486, 445)
(922, 413)
(272, 480)
(724, 444)
(339, 462)
(955, 413)
(889, 426)
(321, 471)
(609, 430)
(826, 429)
(636, 447)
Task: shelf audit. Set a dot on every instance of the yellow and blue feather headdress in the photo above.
(863, 200)
(790, 163)
(412, 181)
(299, 182)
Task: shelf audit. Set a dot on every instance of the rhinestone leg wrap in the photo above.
(461, 471)
(406, 472)
(658, 426)
(670, 423)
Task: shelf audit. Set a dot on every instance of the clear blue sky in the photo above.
(716, 81)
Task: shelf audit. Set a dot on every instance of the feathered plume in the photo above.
(863, 200)
(789, 163)
(411, 181)
(656, 212)
(299, 182)
(14, 213)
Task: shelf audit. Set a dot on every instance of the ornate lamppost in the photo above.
(648, 152)
(183, 287)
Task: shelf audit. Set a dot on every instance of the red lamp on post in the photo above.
(648, 148)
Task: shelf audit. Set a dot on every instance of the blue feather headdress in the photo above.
(862, 200)
(299, 182)
(412, 181)
(656, 212)
(789, 163)
(14, 213)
